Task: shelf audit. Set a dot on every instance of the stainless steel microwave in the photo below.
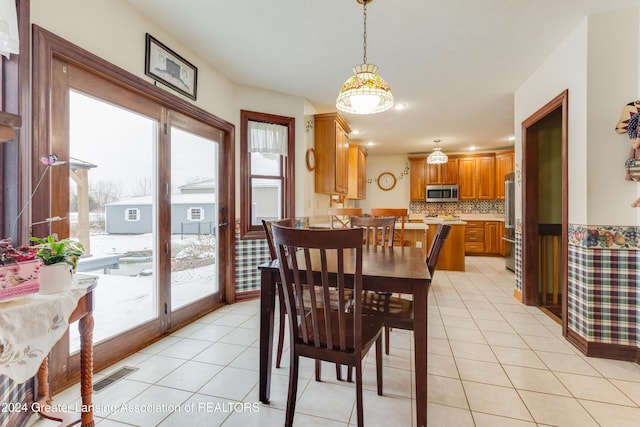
(442, 193)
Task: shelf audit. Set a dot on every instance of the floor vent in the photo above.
(120, 373)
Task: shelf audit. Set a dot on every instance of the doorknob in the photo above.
(223, 224)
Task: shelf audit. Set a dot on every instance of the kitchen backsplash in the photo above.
(464, 207)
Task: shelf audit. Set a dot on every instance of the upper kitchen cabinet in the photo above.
(357, 172)
(504, 165)
(417, 175)
(445, 173)
(332, 154)
(477, 177)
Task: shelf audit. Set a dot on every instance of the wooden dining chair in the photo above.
(402, 216)
(341, 335)
(340, 217)
(266, 225)
(397, 311)
(377, 231)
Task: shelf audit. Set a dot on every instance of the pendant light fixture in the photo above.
(365, 92)
(437, 156)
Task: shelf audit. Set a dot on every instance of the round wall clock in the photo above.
(311, 159)
(386, 181)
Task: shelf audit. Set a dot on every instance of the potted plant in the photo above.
(60, 259)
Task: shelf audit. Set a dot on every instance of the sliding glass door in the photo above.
(141, 188)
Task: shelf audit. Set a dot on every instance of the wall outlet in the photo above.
(418, 244)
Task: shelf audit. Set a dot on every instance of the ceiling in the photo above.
(452, 64)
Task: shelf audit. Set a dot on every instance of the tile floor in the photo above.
(492, 362)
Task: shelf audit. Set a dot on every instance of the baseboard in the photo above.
(517, 295)
(246, 296)
(627, 353)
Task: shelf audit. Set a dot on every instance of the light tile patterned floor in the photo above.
(492, 362)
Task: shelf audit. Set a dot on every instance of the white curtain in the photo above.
(267, 138)
(8, 28)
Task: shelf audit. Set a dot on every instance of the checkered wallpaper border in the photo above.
(249, 255)
(603, 295)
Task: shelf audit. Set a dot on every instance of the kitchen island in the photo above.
(452, 255)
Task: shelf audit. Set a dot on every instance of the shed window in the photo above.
(195, 214)
(132, 214)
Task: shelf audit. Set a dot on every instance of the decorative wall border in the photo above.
(605, 236)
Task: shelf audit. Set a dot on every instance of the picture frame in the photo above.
(167, 67)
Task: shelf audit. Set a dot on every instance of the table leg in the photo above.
(85, 326)
(267, 307)
(420, 342)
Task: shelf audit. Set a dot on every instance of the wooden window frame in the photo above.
(255, 231)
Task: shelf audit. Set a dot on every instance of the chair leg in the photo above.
(283, 312)
(379, 364)
(318, 370)
(359, 402)
(386, 339)
(293, 389)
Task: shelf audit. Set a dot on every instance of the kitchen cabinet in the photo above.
(474, 238)
(504, 165)
(332, 154)
(484, 238)
(417, 183)
(476, 177)
(444, 173)
(357, 172)
(492, 237)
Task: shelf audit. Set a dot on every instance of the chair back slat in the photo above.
(266, 225)
(339, 217)
(319, 320)
(378, 230)
(402, 216)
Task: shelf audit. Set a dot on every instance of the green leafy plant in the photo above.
(51, 251)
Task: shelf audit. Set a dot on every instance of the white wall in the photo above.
(566, 68)
(614, 51)
(114, 31)
(598, 64)
(398, 197)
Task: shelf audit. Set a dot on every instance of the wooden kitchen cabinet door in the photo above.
(466, 178)
(417, 178)
(332, 154)
(486, 178)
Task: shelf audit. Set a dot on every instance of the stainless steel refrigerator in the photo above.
(509, 222)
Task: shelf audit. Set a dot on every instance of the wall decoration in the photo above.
(311, 159)
(164, 65)
(386, 181)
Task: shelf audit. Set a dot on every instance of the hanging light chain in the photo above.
(364, 34)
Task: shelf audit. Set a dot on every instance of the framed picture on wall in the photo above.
(164, 65)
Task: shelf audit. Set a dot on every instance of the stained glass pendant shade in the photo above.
(365, 92)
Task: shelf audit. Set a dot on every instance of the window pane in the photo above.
(112, 211)
(265, 164)
(266, 200)
(194, 195)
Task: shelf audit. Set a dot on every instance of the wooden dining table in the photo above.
(397, 270)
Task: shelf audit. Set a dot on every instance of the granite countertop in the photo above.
(456, 219)
(450, 221)
(407, 225)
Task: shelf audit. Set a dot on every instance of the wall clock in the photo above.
(386, 181)
(311, 159)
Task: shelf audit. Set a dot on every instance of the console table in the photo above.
(30, 327)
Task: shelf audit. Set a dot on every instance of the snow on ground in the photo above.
(126, 299)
